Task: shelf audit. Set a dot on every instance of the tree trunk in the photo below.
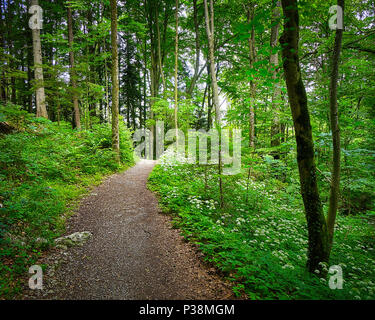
(159, 51)
(155, 72)
(2, 44)
(107, 107)
(209, 98)
(77, 116)
(274, 60)
(250, 17)
(41, 110)
(189, 91)
(210, 35)
(144, 83)
(176, 77)
(115, 81)
(210, 30)
(317, 227)
(335, 177)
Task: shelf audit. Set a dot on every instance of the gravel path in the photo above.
(133, 254)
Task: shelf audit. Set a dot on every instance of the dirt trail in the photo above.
(133, 253)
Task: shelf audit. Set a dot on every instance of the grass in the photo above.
(259, 239)
(44, 170)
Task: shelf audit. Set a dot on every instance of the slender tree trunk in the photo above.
(335, 177)
(127, 83)
(151, 12)
(77, 116)
(5, 25)
(91, 52)
(197, 51)
(210, 35)
(145, 83)
(316, 223)
(115, 81)
(41, 109)
(274, 60)
(250, 17)
(199, 123)
(159, 51)
(176, 77)
(209, 98)
(29, 80)
(2, 44)
(210, 30)
(107, 108)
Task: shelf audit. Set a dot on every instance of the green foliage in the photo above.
(259, 239)
(15, 116)
(43, 170)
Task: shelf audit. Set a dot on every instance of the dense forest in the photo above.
(80, 79)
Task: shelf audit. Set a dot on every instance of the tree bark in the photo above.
(316, 223)
(115, 81)
(151, 12)
(3, 96)
(211, 47)
(334, 119)
(41, 109)
(210, 30)
(189, 91)
(250, 17)
(274, 60)
(77, 116)
(159, 51)
(209, 98)
(176, 77)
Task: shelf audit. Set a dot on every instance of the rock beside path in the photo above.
(72, 240)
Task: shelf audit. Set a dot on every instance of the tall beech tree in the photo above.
(318, 250)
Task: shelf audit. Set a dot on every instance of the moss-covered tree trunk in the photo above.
(317, 227)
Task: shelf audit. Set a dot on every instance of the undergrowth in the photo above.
(44, 169)
(259, 239)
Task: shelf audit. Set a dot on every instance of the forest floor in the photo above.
(134, 253)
